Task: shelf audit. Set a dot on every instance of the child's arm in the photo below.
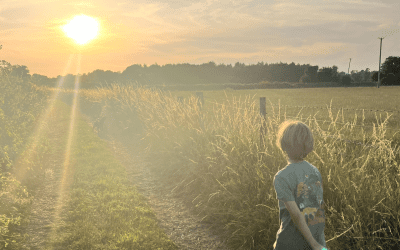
(301, 224)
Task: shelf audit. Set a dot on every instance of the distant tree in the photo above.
(312, 73)
(132, 73)
(374, 76)
(356, 76)
(305, 79)
(346, 80)
(391, 66)
(42, 80)
(291, 73)
(335, 75)
(366, 75)
(20, 72)
(5, 67)
(68, 81)
(390, 79)
(325, 75)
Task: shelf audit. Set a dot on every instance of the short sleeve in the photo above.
(282, 189)
(320, 177)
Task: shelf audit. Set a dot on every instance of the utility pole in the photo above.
(379, 73)
(348, 71)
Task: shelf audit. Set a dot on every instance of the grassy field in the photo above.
(368, 98)
(226, 176)
(215, 159)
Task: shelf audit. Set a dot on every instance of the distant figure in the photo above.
(299, 192)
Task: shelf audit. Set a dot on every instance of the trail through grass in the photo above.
(101, 210)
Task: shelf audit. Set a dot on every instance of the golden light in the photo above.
(82, 29)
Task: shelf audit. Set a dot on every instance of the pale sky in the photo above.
(316, 32)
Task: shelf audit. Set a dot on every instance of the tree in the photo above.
(356, 76)
(325, 75)
(20, 72)
(335, 75)
(42, 80)
(310, 74)
(374, 76)
(391, 66)
(366, 75)
(346, 80)
(305, 79)
(390, 79)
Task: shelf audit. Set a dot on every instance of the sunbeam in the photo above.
(67, 172)
(22, 163)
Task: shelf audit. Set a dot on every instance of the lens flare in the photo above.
(67, 173)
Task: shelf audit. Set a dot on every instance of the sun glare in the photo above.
(82, 29)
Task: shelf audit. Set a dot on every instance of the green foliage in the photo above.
(221, 169)
(328, 75)
(305, 79)
(346, 80)
(374, 76)
(391, 66)
(105, 211)
(188, 76)
(391, 79)
(20, 105)
(15, 203)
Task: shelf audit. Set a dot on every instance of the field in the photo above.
(214, 157)
(307, 102)
(211, 157)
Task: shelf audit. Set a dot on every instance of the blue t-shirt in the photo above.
(300, 182)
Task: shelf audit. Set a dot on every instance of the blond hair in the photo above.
(295, 139)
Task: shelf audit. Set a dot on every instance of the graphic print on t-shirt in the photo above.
(310, 200)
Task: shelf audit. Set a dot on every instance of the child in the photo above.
(299, 192)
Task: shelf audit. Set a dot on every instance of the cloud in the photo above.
(208, 30)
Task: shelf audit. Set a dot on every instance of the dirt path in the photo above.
(182, 227)
(43, 210)
(42, 213)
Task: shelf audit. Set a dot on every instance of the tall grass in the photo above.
(213, 159)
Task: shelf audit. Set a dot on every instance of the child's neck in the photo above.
(294, 161)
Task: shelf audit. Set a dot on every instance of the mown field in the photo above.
(214, 157)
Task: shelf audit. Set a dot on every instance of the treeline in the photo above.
(189, 74)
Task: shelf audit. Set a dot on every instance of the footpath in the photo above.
(180, 224)
(102, 194)
(86, 200)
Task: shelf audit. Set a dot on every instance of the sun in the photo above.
(82, 29)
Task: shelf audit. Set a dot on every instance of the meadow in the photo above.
(213, 157)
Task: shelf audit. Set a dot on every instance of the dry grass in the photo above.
(215, 159)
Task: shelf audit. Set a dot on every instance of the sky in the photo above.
(315, 32)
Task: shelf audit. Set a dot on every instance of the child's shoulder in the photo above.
(291, 168)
